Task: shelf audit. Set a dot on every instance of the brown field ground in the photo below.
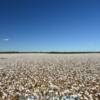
(50, 74)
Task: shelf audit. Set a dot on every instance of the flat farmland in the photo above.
(49, 75)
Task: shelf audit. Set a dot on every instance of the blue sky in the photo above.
(50, 25)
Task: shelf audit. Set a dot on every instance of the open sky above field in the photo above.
(49, 25)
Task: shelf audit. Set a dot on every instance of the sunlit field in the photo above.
(49, 76)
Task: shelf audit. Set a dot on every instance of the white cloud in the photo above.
(5, 39)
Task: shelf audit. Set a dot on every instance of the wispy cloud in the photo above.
(6, 39)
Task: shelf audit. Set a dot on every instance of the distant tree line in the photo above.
(51, 52)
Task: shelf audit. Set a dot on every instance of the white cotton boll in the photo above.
(90, 97)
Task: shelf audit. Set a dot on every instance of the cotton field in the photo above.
(49, 76)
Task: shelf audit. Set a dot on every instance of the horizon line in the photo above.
(50, 52)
